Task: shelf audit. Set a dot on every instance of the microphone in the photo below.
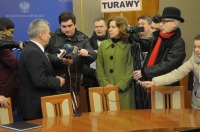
(140, 82)
(71, 49)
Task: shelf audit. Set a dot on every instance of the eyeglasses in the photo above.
(165, 21)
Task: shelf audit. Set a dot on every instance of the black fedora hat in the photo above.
(172, 12)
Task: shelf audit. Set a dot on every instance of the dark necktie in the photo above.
(46, 55)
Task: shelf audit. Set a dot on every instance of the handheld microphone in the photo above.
(140, 82)
(71, 49)
(75, 50)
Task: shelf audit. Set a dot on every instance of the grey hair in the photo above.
(37, 26)
(178, 22)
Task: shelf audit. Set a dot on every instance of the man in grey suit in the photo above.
(36, 74)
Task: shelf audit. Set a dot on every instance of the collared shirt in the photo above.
(39, 45)
(98, 42)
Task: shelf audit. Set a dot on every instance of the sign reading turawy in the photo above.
(120, 5)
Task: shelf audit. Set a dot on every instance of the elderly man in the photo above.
(36, 74)
(167, 50)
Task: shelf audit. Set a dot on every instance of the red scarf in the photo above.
(154, 53)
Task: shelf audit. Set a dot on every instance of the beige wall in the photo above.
(87, 10)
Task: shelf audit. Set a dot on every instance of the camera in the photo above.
(134, 29)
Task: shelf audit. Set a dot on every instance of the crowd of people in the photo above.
(105, 59)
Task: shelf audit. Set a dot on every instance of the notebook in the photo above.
(21, 126)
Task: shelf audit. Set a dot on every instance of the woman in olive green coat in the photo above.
(115, 63)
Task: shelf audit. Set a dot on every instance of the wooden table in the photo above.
(120, 121)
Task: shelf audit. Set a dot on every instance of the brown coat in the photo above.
(9, 81)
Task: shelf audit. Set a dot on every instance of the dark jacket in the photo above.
(6, 42)
(89, 74)
(170, 56)
(37, 80)
(80, 40)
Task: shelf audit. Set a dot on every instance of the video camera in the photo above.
(138, 45)
(133, 34)
(134, 29)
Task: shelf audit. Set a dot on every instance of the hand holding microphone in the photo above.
(143, 85)
(75, 50)
(137, 74)
(67, 61)
(83, 52)
(149, 83)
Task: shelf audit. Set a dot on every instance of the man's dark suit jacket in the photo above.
(37, 80)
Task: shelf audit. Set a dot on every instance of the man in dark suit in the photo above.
(36, 74)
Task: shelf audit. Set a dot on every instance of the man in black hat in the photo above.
(167, 50)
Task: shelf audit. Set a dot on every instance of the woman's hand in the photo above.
(149, 84)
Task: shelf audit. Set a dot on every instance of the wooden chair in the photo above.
(167, 97)
(6, 115)
(56, 105)
(187, 94)
(104, 99)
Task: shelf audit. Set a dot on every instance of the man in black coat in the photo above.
(36, 74)
(167, 51)
(68, 34)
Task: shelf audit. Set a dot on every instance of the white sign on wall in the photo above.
(120, 5)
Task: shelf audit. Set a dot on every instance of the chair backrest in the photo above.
(104, 99)
(167, 97)
(56, 105)
(6, 115)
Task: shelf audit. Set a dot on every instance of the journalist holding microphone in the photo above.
(77, 43)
